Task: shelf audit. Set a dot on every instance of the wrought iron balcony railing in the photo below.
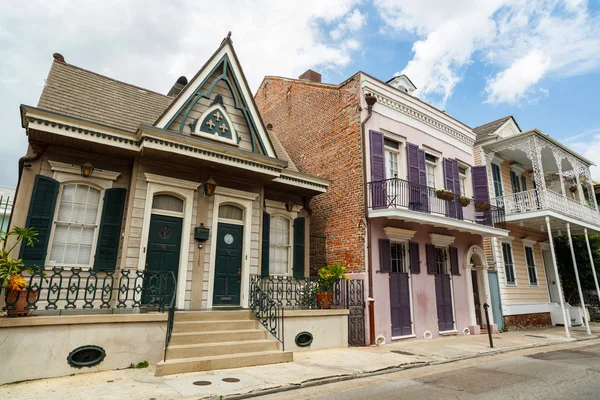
(76, 289)
(536, 200)
(399, 193)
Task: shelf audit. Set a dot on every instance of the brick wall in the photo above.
(526, 321)
(319, 126)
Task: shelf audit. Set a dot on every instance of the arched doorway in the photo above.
(483, 288)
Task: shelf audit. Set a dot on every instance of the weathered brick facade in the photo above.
(319, 125)
(526, 321)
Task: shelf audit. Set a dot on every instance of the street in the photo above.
(560, 372)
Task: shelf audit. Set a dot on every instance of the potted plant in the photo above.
(444, 194)
(482, 206)
(11, 271)
(464, 201)
(328, 277)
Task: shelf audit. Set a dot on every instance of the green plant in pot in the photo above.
(328, 277)
(11, 271)
(464, 201)
(444, 194)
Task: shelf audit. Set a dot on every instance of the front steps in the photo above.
(207, 340)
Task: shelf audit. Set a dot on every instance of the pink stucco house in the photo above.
(385, 216)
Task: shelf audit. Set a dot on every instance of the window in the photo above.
(531, 266)
(441, 261)
(516, 183)
(279, 245)
(167, 203)
(75, 225)
(462, 174)
(398, 257)
(497, 178)
(509, 267)
(231, 212)
(523, 183)
(431, 162)
(392, 154)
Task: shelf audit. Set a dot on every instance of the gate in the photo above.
(350, 294)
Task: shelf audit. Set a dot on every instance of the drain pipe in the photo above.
(24, 161)
(371, 100)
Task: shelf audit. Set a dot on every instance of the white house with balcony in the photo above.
(546, 191)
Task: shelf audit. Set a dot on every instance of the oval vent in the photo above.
(304, 339)
(86, 356)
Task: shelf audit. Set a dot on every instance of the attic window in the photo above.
(215, 124)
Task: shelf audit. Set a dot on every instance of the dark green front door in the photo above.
(228, 265)
(162, 259)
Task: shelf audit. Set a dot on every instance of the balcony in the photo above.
(517, 204)
(399, 199)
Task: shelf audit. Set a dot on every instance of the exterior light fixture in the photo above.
(289, 205)
(210, 186)
(87, 169)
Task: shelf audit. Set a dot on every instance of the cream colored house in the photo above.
(546, 191)
(181, 200)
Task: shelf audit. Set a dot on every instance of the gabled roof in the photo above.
(488, 129)
(87, 95)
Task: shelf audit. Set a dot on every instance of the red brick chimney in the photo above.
(311, 75)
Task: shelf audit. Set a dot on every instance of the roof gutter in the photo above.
(371, 100)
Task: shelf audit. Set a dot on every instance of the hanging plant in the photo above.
(464, 201)
(444, 194)
(481, 206)
(573, 188)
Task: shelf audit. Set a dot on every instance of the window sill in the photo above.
(511, 284)
(448, 333)
(404, 337)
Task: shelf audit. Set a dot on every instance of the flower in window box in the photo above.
(464, 201)
(444, 194)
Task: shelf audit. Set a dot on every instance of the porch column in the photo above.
(587, 324)
(587, 242)
(535, 155)
(558, 285)
(470, 295)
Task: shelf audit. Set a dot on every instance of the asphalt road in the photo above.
(551, 373)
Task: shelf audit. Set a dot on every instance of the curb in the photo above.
(388, 370)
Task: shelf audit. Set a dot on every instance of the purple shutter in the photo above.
(481, 193)
(430, 251)
(385, 255)
(400, 304)
(415, 259)
(456, 177)
(454, 269)
(448, 174)
(423, 182)
(412, 159)
(378, 184)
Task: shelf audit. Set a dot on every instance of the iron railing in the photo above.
(270, 295)
(170, 321)
(399, 193)
(60, 290)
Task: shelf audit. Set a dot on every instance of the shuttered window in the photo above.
(75, 225)
(509, 267)
(441, 261)
(497, 178)
(531, 266)
(392, 155)
(398, 251)
(279, 245)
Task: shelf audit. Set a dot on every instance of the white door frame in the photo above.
(482, 283)
(184, 190)
(243, 200)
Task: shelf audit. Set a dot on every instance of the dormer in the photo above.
(401, 82)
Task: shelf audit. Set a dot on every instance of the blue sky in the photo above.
(538, 60)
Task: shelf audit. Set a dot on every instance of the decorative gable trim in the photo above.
(215, 124)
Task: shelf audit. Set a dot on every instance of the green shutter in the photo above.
(41, 213)
(299, 248)
(266, 236)
(110, 230)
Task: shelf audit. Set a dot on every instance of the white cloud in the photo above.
(505, 34)
(587, 143)
(353, 22)
(151, 43)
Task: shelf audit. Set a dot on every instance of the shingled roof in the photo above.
(487, 129)
(84, 94)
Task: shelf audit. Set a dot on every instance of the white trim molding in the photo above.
(441, 240)
(64, 172)
(528, 241)
(507, 239)
(398, 234)
(184, 190)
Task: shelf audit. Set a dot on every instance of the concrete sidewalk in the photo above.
(308, 368)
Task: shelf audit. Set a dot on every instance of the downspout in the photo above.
(371, 100)
(24, 161)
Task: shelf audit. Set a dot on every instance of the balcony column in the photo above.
(558, 285)
(587, 324)
(587, 242)
(579, 187)
(534, 153)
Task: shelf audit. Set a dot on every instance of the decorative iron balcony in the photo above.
(537, 200)
(401, 194)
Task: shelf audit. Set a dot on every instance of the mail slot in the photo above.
(201, 233)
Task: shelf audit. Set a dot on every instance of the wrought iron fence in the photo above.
(59, 289)
(266, 310)
(281, 292)
(399, 193)
(170, 321)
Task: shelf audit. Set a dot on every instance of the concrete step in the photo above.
(219, 349)
(209, 326)
(209, 315)
(216, 336)
(182, 365)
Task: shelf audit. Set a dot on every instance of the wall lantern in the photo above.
(289, 205)
(87, 169)
(210, 186)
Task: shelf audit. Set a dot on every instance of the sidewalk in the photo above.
(308, 368)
